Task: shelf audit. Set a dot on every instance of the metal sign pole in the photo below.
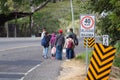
(86, 55)
(87, 25)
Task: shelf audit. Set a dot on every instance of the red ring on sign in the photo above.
(90, 19)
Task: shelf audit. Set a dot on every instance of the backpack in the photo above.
(75, 39)
(70, 44)
(44, 41)
(60, 40)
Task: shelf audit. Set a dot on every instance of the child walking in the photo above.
(52, 43)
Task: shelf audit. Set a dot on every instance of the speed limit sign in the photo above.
(87, 25)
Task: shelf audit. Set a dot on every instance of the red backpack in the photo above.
(70, 43)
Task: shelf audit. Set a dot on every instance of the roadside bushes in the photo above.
(116, 60)
(117, 56)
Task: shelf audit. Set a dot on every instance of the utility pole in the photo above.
(72, 12)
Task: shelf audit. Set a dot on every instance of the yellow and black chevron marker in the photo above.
(91, 42)
(101, 62)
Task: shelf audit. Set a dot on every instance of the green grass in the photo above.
(82, 56)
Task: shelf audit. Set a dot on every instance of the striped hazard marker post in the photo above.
(101, 62)
(91, 42)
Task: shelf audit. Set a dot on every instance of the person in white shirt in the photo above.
(43, 33)
(42, 36)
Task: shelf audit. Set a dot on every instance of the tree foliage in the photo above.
(54, 15)
(7, 6)
(109, 23)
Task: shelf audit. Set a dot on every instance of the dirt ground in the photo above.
(76, 70)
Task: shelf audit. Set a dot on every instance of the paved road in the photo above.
(19, 58)
(13, 43)
(50, 69)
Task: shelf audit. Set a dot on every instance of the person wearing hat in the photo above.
(59, 43)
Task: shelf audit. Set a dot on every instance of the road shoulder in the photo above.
(72, 70)
(48, 70)
(75, 70)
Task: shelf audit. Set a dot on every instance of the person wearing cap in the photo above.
(59, 43)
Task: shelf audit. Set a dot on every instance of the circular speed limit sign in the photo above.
(87, 22)
(87, 25)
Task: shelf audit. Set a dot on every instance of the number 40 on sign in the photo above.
(87, 24)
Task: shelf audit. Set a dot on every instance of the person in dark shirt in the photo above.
(75, 39)
(60, 40)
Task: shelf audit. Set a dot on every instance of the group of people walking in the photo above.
(57, 43)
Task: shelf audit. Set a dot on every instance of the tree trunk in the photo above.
(7, 31)
(31, 17)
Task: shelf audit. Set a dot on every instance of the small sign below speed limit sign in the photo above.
(87, 25)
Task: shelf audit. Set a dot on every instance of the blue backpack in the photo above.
(44, 41)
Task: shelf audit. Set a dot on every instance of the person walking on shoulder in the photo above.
(45, 43)
(69, 45)
(60, 40)
(42, 36)
(75, 39)
(52, 43)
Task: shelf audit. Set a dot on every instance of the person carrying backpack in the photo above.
(45, 44)
(69, 45)
(42, 36)
(74, 36)
(60, 40)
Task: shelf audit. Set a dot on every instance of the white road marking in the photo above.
(29, 71)
(10, 73)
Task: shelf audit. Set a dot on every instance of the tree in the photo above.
(7, 6)
(109, 23)
(10, 9)
(34, 9)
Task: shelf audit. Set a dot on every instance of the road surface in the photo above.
(18, 57)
